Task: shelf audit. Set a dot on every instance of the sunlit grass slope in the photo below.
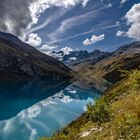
(115, 116)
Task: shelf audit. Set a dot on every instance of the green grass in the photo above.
(116, 115)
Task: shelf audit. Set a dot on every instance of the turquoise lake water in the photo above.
(30, 110)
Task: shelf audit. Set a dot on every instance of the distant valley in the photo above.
(77, 59)
(21, 61)
(106, 65)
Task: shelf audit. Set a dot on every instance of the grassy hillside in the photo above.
(114, 116)
(125, 58)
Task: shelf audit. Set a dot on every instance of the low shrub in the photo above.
(100, 112)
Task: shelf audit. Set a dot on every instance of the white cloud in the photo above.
(72, 58)
(59, 13)
(117, 23)
(34, 40)
(133, 19)
(71, 22)
(60, 53)
(66, 99)
(93, 39)
(8, 126)
(123, 1)
(47, 52)
(33, 131)
(47, 47)
(15, 125)
(121, 33)
(85, 2)
(66, 50)
(28, 13)
(48, 102)
(39, 6)
(87, 32)
(33, 111)
(72, 91)
(58, 56)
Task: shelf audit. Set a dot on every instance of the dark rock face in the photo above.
(92, 57)
(20, 60)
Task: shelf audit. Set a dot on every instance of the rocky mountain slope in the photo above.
(20, 61)
(76, 59)
(110, 68)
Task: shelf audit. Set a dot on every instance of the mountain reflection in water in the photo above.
(16, 96)
(30, 110)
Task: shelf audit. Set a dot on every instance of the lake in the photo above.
(32, 109)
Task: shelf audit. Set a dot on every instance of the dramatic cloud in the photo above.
(93, 39)
(133, 19)
(39, 6)
(19, 15)
(15, 15)
(34, 40)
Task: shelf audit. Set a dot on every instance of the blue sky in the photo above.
(96, 16)
(77, 24)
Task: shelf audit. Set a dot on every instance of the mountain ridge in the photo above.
(126, 57)
(77, 58)
(19, 60)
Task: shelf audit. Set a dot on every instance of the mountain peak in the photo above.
(79, 57)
